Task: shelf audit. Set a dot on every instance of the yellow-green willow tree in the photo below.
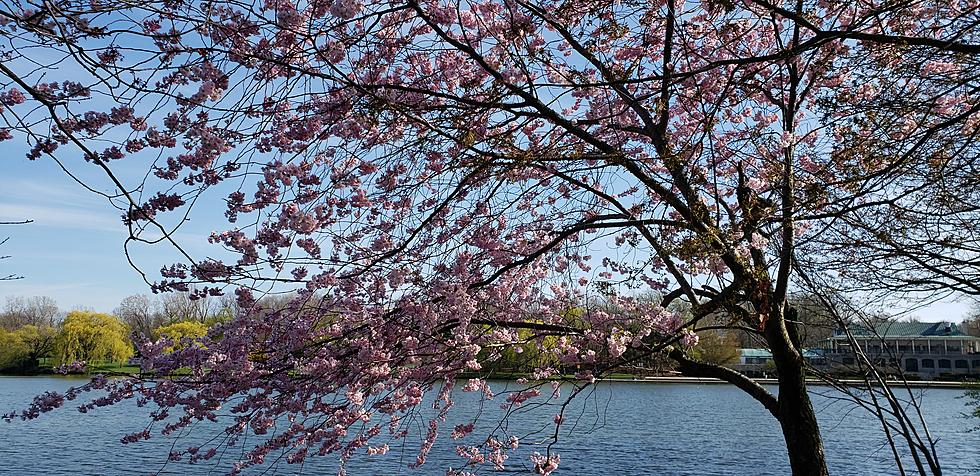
(93, 337)
(13, 350)
(182, 333)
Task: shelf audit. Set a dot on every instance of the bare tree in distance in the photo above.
(142, 314)
(183, 306)
(145, 313)
(40, 311)
(971, 321)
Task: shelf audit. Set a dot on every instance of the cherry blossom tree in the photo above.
(440, 182)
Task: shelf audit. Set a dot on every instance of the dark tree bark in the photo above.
(796, 416)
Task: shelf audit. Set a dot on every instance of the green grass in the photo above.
(113, 368)
(48, 365)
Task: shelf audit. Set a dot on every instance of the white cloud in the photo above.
(62, 217)
(24, 189)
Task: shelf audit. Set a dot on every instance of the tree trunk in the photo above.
(800, 429)
(796, 416)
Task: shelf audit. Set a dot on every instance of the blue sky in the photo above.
(73, 251)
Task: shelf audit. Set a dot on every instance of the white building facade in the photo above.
(924, 350)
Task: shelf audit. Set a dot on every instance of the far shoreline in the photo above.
(813, 382)
(663, 380)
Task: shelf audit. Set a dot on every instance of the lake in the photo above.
(621, 428)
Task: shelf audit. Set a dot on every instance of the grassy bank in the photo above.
(48, 366)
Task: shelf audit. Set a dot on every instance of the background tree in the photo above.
(40, 311)
(181, 306)
(717, 347)
(814, 324)
(971, 322)
(13, 350)
(438, 179)
(39, 342)
(227, 308)
(181, 334)
(141, 315)
(92, 337)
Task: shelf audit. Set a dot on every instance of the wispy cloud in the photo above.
(52, 205)
(17, 189)
(74, 218)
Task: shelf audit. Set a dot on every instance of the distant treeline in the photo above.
(36, 335)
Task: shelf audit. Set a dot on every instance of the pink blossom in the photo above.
(346, 9)
(545, 465)
(12, 97)
(689, 339)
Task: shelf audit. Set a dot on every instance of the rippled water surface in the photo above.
(623, 428)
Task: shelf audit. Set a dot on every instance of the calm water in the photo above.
(622, 428)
